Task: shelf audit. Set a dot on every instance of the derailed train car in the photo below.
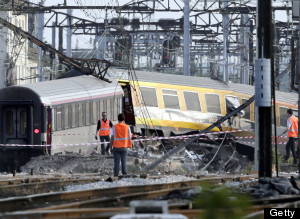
(169, 103)
(64, 112)
(40, 114)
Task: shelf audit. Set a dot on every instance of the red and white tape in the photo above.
(68, 134)
(148, 139)
(245, 142)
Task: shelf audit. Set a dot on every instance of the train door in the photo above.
(15, 125)
(128, 109)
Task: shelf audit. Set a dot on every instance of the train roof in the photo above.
(73, 89)
(193, 81)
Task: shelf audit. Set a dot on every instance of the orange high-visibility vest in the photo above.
(293, 130)
(121, 136)
(104, 128)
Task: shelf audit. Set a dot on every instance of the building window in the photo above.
(192, 101)
(213, 103)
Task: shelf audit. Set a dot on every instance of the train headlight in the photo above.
(36, 131)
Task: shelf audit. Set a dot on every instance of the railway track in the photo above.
(106, 202)
(27, 185)
(78, 198)
(255, 212)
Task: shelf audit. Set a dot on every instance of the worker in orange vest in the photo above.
(292, 129)
(120, 141)
(103, 130)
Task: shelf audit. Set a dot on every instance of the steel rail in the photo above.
(107, 212)
(39, 200)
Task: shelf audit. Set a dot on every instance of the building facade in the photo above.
(18, 56)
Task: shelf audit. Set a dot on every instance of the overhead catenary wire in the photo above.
(135, 84)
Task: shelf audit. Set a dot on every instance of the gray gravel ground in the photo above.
(129, 181)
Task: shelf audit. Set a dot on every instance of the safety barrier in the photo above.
(146, 138)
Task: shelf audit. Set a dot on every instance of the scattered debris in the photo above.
(198, 158)
(273, 187)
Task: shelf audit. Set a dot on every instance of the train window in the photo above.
(283, 116)
(213, 103)
(58, 118)
(53, 117)
(95, 111)
(232, 103)
(104, 106)
(171, 92)
(118, 107)
(192, 101)
(88, 109)
(66, 117)
(9, 122)
(115, 108)
(247, 110)
(80, 114)
(170, 99)
(108, 112)
(74, 113)
(23, 122)
(70, 116)
(83, 114)
(101, 109)
(149, 96)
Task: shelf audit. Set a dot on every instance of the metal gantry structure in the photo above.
(222, 42)
(87, 66)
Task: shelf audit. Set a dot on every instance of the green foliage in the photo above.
(221, 203)
(280, 158)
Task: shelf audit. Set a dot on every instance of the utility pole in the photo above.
(242, 51)
(40, 37)
(263, 69)
(186, 38)
(60, 48)
(69, 34)
(53, 46)
(246, 43)
(251, 52)
(225, 41)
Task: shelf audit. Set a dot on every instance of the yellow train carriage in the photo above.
(165, 103)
